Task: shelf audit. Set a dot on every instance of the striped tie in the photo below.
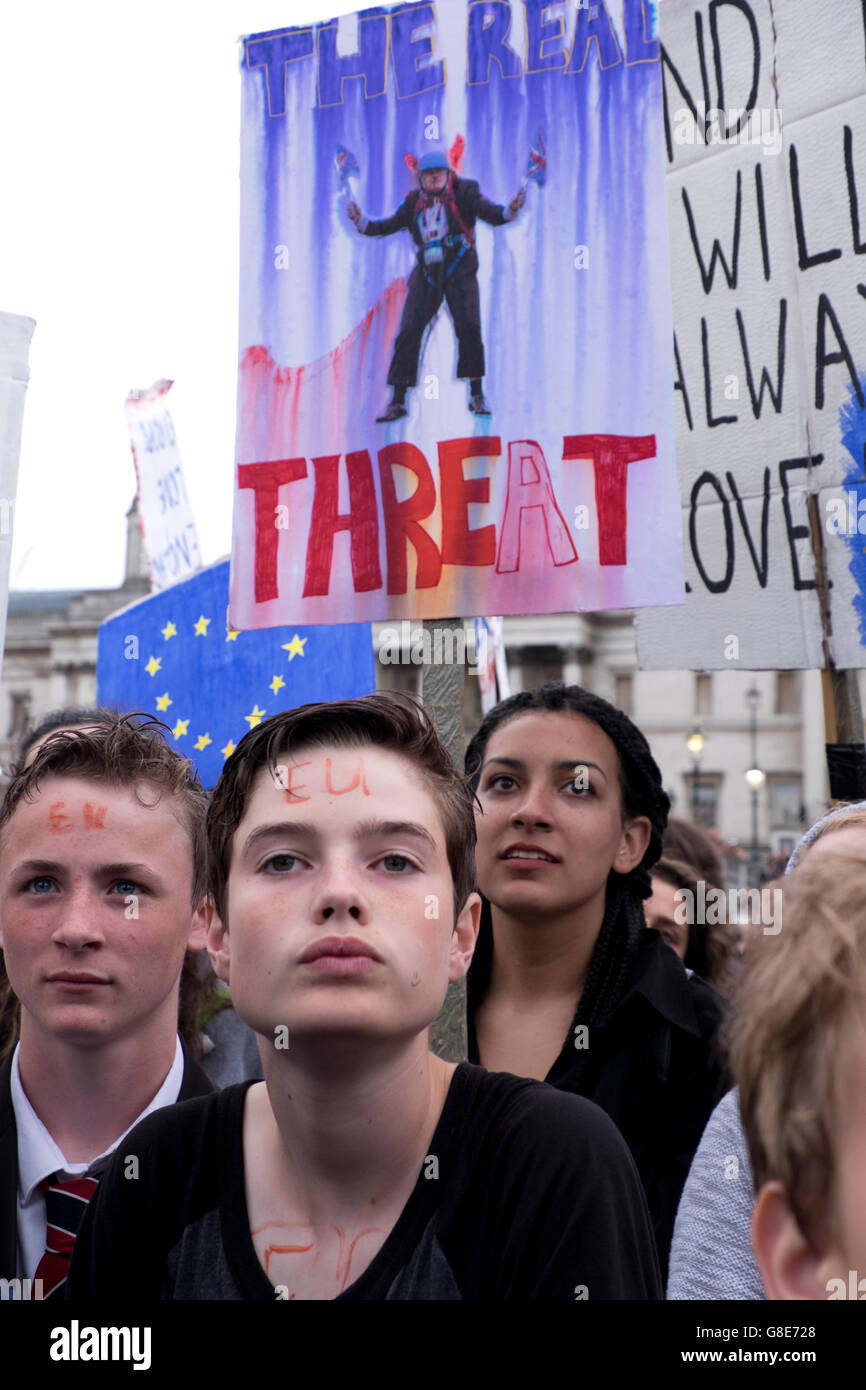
(65, 1205)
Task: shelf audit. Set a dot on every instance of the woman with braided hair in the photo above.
(568, 985)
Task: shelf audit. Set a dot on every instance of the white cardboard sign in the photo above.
(15, 335)
(765, 128)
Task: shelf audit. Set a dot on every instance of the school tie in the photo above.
(65, 1205)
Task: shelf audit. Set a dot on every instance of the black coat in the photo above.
(471, 205)
(655, 1068)
(194, 1083)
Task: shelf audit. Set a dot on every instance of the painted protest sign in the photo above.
(545, 236)
(765, 127)
(167, 525)
(171, 655)
(15, 334)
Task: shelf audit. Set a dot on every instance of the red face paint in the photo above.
(58, 822)
(292, 793)
(94, 816)
(341, 791)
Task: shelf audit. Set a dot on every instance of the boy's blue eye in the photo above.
(389, 860)
(282, 863)
(39, 885)
(127, 887)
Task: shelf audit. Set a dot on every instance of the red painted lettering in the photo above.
(460, 546)
(361, 521)
(94, 816)
(528, 486)
(266, 479)
(292, 793)
(57, 820)
(403, 519)
(611, 454)
(341, 791)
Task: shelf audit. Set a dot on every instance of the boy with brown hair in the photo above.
(799, 1058)
(363, 1167)
(102, 881)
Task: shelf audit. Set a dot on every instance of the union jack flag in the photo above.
(537, 166)
(346, 163)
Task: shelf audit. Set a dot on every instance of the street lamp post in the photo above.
(695, 744)
(755, 778)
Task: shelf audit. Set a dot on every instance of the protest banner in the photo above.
(171, 655)
(15, 334)
(167, 525)
(765, 130)
(525, 464)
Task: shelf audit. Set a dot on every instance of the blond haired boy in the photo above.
(799, 1058)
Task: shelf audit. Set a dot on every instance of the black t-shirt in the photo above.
(533, 1195)
(655, 1067)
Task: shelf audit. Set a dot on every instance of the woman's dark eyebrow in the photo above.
(567, 763)
(562, 766)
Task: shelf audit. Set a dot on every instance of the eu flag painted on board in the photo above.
(172, 655)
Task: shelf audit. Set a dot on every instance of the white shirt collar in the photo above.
(38, 1154)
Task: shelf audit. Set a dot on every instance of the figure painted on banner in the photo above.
(440, 215)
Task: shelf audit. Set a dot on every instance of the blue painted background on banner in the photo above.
(600, 122)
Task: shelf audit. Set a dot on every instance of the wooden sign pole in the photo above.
(442, 693)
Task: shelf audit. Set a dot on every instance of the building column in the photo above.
(515, 669)
(571, 666)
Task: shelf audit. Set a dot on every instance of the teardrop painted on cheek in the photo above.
(416, 978)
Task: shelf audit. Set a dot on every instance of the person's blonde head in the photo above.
(849, 817)
(801, 1002)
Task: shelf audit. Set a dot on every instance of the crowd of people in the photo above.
(645, 1111)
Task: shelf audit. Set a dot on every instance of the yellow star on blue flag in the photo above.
(223, 688)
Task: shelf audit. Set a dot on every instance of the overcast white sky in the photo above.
(119, 235)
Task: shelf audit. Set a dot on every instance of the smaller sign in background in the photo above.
(167, 525)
